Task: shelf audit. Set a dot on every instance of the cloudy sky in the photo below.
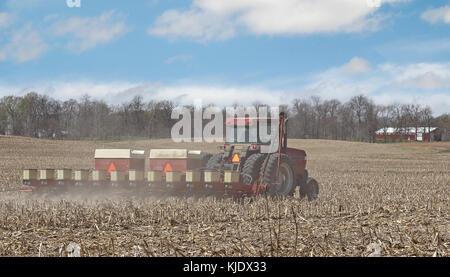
(228, 51)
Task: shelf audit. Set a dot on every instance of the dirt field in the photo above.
(395, 197)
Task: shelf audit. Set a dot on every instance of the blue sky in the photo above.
(227, 51)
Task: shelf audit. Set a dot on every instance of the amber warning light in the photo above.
(236, 159)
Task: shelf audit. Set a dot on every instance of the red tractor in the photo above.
(246, 166)
(278, 172)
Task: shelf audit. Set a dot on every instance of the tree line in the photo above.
(40, 116)
(358, 119)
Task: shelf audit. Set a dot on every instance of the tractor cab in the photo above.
(257, 133)
(249, 130)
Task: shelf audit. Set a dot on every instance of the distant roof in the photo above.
(409, 130)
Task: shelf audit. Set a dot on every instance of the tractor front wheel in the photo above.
(251, 170)
(205, 157)
(215, 161)
(281, 180)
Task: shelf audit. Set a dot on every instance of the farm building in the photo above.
(409, 134)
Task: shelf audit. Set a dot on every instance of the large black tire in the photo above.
(215, 161)
(252, 167)
(205, 156)
(310, 189)
(284, 182)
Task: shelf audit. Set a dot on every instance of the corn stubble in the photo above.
(394, 196)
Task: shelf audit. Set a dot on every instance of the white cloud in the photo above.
(423, 83)
(6, 20)
(24, 45)
(381, 93)
(119, 92)
(357, 65)
(178, 58)
(439, 102)
(428, 80)
(425, 76)
(112, 92)
(222, 19)
(221, 95)
(437, 15)
(87, 32)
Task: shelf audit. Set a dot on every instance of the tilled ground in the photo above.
(392, 197)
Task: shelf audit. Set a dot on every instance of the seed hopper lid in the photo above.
(168, 154)
(119, 154)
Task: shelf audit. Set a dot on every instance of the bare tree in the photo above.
(332, 108)
(359, 105)
(371, 119)
(386, 118)
(11, 106)
(427, 118)
(347, 122)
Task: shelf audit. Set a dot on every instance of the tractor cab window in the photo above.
(245, 134)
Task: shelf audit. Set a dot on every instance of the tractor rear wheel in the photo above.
(215, 161)
(281, 180)
(310, 189)
(251, 170)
